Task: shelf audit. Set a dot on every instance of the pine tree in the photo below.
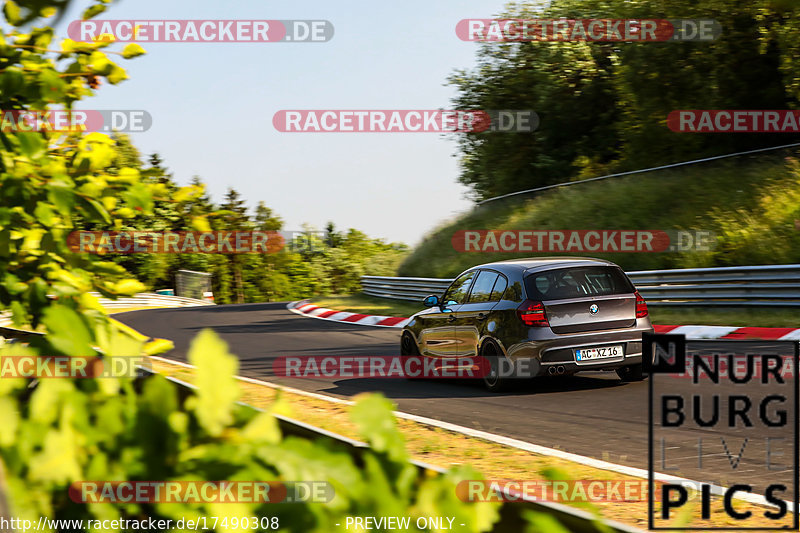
(234, 216)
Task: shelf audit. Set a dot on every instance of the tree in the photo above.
(128, 155)
(233, 211)
(334, 238)
(201, 204)
(265, 219)
(50, 182)
(603, 105)
(233, 216)
(58, 432)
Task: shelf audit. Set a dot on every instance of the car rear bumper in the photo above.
(572, 367)
(559, 350)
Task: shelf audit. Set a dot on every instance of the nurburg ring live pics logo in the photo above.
(723, 432)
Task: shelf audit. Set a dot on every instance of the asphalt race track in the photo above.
(591, 414)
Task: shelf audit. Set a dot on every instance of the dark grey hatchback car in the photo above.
(535, 317)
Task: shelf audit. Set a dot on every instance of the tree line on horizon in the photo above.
(312, 263)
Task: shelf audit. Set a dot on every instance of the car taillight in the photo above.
(532, 313)
(641, 306)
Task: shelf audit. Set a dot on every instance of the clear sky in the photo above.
(212, 106)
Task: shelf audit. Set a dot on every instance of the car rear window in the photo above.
(575, 282)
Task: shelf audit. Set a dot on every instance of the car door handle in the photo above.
(482, 316)
(451, 318)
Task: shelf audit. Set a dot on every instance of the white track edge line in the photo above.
(515, 443)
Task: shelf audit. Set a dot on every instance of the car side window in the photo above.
(457, 293)
(499, 288)
(482, 288)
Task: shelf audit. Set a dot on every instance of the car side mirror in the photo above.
(431, 301)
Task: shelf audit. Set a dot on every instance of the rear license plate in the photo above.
(603, 352)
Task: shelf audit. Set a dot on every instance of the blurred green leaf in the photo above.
(67, 331)
(117, 75)
(32, 145)
(52, 87)
(129, 287)
(263, 428)
(217, 389)
(539, 522)
(372, 413)
(11, 12)
(93, 11)
(9, 421)
(132, 50)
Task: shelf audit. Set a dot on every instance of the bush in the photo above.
(55, 432)
(108, 429)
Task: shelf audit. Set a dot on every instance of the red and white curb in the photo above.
(692, 332)
(732, 332)
(313, 311)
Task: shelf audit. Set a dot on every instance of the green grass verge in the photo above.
(359, 303)
(749, 202)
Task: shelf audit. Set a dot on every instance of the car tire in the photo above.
(492, 381)
(631, 373)
(408, 348)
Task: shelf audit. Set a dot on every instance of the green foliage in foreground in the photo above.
(59, 431)
(52, 183)
(56, 432)
(104, 429)
(751, 204)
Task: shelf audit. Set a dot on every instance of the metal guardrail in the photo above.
(752, 286)
(403, 288)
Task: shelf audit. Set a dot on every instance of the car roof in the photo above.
(542, 263)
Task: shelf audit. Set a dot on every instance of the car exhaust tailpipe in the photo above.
(560, 369)
(551, 370)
